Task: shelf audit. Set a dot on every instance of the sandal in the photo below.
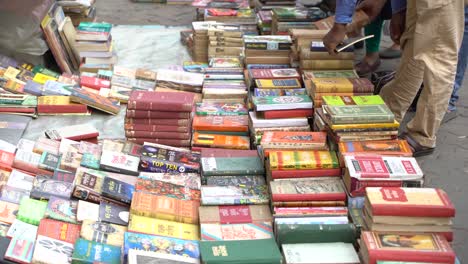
(418, 149)
(363, 68)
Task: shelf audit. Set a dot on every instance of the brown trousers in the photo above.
(430, 44)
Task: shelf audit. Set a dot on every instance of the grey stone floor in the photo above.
(446, 168)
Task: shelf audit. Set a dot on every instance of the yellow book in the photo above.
(395, 125)
(42, 78)
(277, 84)
(54, 100)
(11, 73)
(341, 85)
(303, 160)
(152, 226)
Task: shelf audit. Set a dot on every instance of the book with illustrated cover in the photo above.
(49, 161)
(244, 231)
(95, 101)
(277, 84)
(220, 141)
(388, 148)
(234, 195)
(190, 180)
(86, 251)
(21, 247)
(237, 123)
(20, 180)
(357, 114)
(50, 250)
(341, 85)
(149, 164)
(119, 162)
(220, 109)
(274, 74)
(31, 211)
(352, 100)
(117, 190)
(13, 195)
(268, 103)
(293, 139)
(278, 92)
(245, 180)
(45, 187)
(316, 189)
(62, 209)
(308, 75)
(114, 214)
(303, 160)
(235, 214)
(103, 232)
(152, 226)
(167, 189)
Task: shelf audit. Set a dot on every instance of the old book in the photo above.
(21, 247)
(258, 122)
(150, 123)
(416, 247)
(379, 171)
(312, 74)
(274, 74)
(247, 180)
(301, 160)
(221, 123)
(234, 195)
(157, 114)
(114, 214)
(167, 189)
(190, 180)
(138, 256)
(352, 100)
(59, 104)
(167, 208)
(341, 85)
(59, 230)
(235, 214)
(153, 226)
(70, 161)
(161, 244)
(234, 162)
(241, 231)
(292, 212)
(164, 101)
(326, 64)
(320, 253)
(388, 148)
(313, 189)
(50, 250)
(293, 139)
(278, 83)
(62, 209)
(44, 187)
(95, 101)
(171, 142)
(87, 211)
(220, 109)
(220, 141)
(157, 134)
(86, 251)
(103, 232)
(357, 114)
(119, 162)
(282, 102)
(247, 251)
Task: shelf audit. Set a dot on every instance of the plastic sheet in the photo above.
(151, 47)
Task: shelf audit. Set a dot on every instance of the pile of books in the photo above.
(124, 81)
(21, 104)
(302, 39)
(224, 81)
(284, 19)
(244, 16)
(318, 58)
(198, 46)
(79, 11)
(267, 49)
(159, 117)
(94, 46)
(225, 41)
(221, 125)
(264, 18)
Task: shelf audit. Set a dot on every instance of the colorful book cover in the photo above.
(234, 195)
(91, 179)
(220, 141)
(235, 214)
(220, 109)
(221, 123)
(114, 214)
(417, 202)
(277, 84)
(279, 92)
(294, 139)
(162, 152)
(353, 100)
(21, 247)
(62, 209)
(315, 189)
(95, 101)
(220, 166)
(244, 180)
(152, 226)
(119, 162)
(341, 85)
(86, 251)
(150, 164)
(167, 189)
(161, 244)
(214, 232)
(45, 187)
(59, 230)
(274, 73)
(196, 67)
(330, 74)
(303, 160)
(190, 180)
(42, 78)
(31, 211)
(345, 114)
(383, 167)
(103, 232)
(268, 103)
(118, 190)
(49, 250)
(49, 161)
(167, 208)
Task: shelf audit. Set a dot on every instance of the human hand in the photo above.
(397, 26)
(371, 7)
(334, 37)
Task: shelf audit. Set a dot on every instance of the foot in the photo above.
(364, 67)
(418, 149)
(391, 53)
(449, 115)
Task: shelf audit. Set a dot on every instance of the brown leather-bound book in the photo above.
(161, 101)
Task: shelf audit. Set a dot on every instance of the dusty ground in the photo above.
(447, 168)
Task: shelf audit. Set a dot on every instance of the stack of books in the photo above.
(225, 41)
(79, 11)
(19, 104)
(159, 117)
(198, 46)
(316, 57)
(94, 46)
(284, 19)
(264, 18)
(302, 39)
(224, 81)
(221, 125)
(267, 49)
(399, 210)
(244, 16)
(124, 81)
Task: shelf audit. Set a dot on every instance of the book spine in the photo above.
(326, 64)
(268, 45)
(272, 114)
(157, 128)
(308, 203)
(160, 122)
(277, 174)
(309, 197)
(169, 142)
(157, 114)
(158, 106)
(158, 135)
(363, 118)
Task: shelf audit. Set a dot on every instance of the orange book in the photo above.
(221, 123)
(166, 208)
(8, 212)
(294, 140)
(220, 141)
(383, 147)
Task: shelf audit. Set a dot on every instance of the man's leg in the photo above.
(400, 92)
(437, 38)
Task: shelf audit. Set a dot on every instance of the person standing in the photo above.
(430, 33)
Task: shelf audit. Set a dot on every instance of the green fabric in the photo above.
(374, 28)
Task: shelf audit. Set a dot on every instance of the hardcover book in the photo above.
(221, 123)
(260, 251)
(117, 190)
(119, 162)
(293, 139)
(45, 187)
(234, 195)
(163, 101)
(303, 160)
(87, 211)
(146, 225)
(167, 208)
(86, 251)
(49, 250)
(269, 103)
(388, 148)
(235, 214)
(357, 114)
(296, 233)
(233, 165)
(246, 180)
(320, 253)
(312, 189)
(274, 73)
(220, 141)
(341, 85)
(114, 214)
(95, 101)
(103, 232)
(353, 100)
(220, 109)
(245, 231)
(62, 209)
(161, 244)
(167, 189)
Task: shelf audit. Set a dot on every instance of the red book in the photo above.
(166, 122)
(6, 160)
(169, 142)
(94, 83)
(288, 113)
(162, 101)
(277, 174)
(309, 211)
(158, 135)
(157, 114)
(407, 247)
(17, 110)
(62, 231)
(157, 128)
(412, 202)
(290, 73)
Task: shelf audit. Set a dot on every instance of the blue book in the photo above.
(57, 88)
(160, 244)
(92, 252)
(33, 88)
(117, 190)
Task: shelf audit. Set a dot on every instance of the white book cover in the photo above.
(20, 180)
(189, 78)
(283, 122)
(383, 167)
(119, 162)
(87, 211)
(19, 228)
(331, 220)
(323, 253)
(148, 257)
(26, 145)
(52, 251)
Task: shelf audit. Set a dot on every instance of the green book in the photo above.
(18, 100)
(260, 251)
(216, 166)
(353, 100)
(315, 233)
(358, 114)
(45, 71)
(282, 102)
(95, 27)
(31, 211)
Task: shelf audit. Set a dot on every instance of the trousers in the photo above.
(430, 45)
